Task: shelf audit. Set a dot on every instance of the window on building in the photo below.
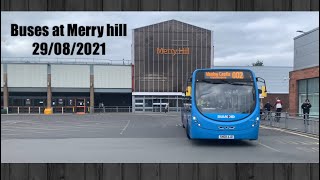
(28, 102)
(309, 89)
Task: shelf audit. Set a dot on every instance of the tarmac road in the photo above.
(143, 138)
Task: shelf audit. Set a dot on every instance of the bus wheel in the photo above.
(183, 125)
(187, 131)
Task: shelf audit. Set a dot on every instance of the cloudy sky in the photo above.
(240, 38)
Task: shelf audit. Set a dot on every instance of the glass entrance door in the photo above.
(80, 106)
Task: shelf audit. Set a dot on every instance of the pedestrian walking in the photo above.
(267, 108)
(278, 106)
(306, 110)
(166, 108)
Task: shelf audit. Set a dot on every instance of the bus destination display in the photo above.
(225, 75)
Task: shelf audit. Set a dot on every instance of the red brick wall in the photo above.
(272, 99)
(293, 85)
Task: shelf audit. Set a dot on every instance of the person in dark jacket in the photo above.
(306, 110)
(267, 108)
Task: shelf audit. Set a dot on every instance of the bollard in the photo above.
(29, 110)
(62, 110)
(39, 110)
(117, 108)
(104, 109)
(305, 122)
(7, 110)
(18, 110)
(285, 121)
(313, 124)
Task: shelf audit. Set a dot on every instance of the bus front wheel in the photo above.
(188, 132)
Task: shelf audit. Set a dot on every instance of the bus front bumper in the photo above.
(197, 132)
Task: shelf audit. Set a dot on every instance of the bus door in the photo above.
(80, 107)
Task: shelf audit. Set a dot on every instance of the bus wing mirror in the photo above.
(260, 91)
(264, 91)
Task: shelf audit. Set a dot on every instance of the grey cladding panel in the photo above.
(306, 50)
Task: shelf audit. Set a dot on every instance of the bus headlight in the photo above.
(194, 119)
(258, 118)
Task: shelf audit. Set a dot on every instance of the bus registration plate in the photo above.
(226, 136)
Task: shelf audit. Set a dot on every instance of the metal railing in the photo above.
(110, 109)
(65, 109)
(296, 122)
(50, 60)
(24, 110)
(158, 109)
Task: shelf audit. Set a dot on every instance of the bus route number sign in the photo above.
(224, 75)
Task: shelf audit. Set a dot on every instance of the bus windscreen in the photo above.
(225, 92)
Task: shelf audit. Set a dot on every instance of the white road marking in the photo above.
(308, 143)
(269, 147)
(289, 132)
(125, 127)
(308, 150)
(292, 142)
(281, 142)
(36, 128)
(316, 149)
(10, 134)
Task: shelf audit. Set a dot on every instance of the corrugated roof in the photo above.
(172, 20)
(315, 29)
(277, 78)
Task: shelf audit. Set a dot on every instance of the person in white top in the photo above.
(166, 108)
(278, 106)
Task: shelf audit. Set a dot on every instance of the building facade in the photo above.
(76, 87)
(165, 54)
(304, 79)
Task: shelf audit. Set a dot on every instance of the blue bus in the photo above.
(222, 104)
